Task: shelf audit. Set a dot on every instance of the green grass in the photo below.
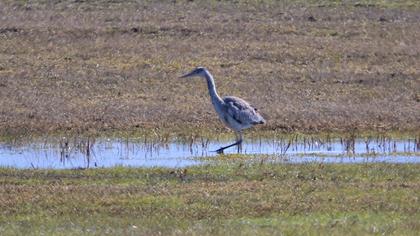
(224, 198)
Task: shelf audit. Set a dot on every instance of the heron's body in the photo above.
(235, 113)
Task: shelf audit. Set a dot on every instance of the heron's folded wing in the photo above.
(242, 111)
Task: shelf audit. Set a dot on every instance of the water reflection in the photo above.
(89, 152)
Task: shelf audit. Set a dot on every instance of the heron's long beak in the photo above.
(187, 75)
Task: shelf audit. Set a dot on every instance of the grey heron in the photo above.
(235, 113)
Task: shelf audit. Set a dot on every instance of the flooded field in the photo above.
(69, 153)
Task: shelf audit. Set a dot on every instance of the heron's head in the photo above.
(199, 71)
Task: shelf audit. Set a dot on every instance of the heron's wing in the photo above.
(242, 111)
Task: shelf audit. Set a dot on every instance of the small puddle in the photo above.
(90, 153)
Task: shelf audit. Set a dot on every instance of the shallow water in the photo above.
(88, 153)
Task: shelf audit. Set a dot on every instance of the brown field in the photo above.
(113, 65)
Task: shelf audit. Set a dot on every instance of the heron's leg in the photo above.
(220, 150)
(237, 139)
(238, 142)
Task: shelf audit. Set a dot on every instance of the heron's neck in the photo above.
(212, 89)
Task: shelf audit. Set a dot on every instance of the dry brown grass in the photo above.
(110, 65)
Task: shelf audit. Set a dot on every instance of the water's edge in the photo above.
(79, 152)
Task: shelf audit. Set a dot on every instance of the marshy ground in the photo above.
(225, 198)
(111, 65)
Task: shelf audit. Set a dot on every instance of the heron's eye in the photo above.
(200, 68)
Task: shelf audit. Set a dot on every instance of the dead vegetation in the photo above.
(111, 65)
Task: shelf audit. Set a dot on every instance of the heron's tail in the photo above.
(260, 122)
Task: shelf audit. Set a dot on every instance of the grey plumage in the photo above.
(242, 111)
(235, 112)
